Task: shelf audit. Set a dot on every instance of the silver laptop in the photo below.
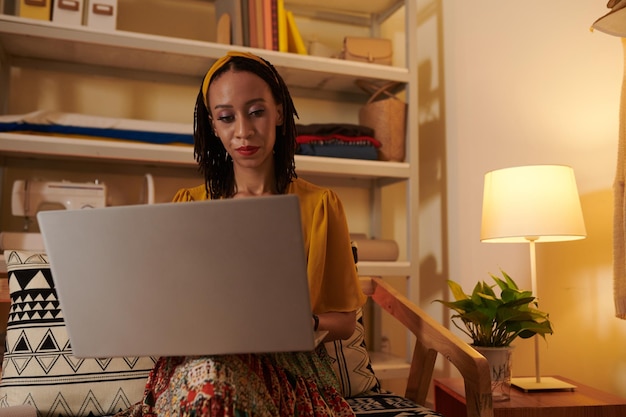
(198, 278)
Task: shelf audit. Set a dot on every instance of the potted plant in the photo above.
(493, 322)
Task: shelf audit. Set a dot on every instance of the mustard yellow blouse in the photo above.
(333, 281)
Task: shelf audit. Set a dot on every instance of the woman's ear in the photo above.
(280, 119)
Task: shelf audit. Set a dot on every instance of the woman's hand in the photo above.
(339, 325)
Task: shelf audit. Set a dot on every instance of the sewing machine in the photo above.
(30, 196)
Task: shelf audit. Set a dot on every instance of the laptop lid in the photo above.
(199, 278)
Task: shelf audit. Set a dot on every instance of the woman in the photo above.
(244, 134)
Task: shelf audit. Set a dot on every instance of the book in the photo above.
(282, 25)
(252, 32)
(255, 20)
(294, 39)
(260, 31)
(267, 24)
(274, 20)
(245, 21)
(232, 9)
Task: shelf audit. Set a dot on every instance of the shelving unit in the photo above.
(137, 55)
(140, 153)
(35, 39)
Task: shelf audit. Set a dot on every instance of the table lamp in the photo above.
(536, 203)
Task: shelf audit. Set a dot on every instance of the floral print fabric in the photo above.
(247, 385)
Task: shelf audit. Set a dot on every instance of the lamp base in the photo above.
(528, 384)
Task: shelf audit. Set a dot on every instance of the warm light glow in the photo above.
(537, 202)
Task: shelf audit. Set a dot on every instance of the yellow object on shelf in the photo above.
(34, 9)
(282, 26)
(294, 39)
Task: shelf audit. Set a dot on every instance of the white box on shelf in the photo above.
(101, 14)
(68, 12)
(34, 9)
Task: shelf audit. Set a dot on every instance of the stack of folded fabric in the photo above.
(337, 140)
(84, 126)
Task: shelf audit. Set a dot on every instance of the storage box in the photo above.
(101, 14)
(68, 12)
(34, 9)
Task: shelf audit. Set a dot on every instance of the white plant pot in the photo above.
(499, 359)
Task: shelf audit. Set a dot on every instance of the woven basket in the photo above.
(386, 115)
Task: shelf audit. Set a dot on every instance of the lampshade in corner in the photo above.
(537, 202)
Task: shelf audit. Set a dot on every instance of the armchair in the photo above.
(102, 392)
(433, 339)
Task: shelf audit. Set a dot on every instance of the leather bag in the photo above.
(371, 50)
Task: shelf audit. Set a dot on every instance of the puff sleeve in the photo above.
(190, 194)
(333, 281)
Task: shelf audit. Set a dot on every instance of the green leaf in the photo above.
(457, 291)
(520, 302)
(496, 320)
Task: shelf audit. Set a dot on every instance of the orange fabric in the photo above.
(333, 281)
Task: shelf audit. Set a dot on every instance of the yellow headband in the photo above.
(219, 64)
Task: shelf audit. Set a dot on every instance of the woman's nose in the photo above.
(244, 127)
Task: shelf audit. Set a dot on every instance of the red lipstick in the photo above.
(247, 150)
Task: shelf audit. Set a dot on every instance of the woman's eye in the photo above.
(257, 113)
(227, 118)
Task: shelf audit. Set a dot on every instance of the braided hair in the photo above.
(214, 162)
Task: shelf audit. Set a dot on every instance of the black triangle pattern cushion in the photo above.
(388, 405)
(38, 368)
(351, 362)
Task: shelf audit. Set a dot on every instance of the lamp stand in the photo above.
(538, 383)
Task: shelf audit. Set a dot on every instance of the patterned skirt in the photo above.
(276, 384)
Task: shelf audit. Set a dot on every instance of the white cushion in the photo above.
(352, 364)
(38, 367)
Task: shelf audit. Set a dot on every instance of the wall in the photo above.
(528, 83)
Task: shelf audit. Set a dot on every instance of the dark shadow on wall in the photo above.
(434, 270)
(433, 200)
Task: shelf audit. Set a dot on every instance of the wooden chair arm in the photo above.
(432, 338)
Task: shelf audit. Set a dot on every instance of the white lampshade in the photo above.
(537, 202)
(614, 22)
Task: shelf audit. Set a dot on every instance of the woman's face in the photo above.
(245, 116)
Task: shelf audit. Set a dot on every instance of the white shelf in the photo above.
(45, 147)
(23, 38)
(41, 146)
(348, 7)
(388, 366)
